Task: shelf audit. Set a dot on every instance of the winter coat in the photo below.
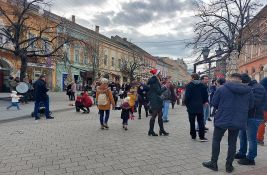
(78, 101)
(40, 90)
(259, 100)
(166, 95)
(132, 98)
(232, 101)
(212, 91)
(196, 95)
(86, 100)
(73, 87)
(125, 110)
(142, 94)
(154, 94)
(264, 84)
(103, 88)
(173, 94)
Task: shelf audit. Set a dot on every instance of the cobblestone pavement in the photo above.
(73, 144)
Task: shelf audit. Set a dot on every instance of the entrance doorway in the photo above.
(4, 76)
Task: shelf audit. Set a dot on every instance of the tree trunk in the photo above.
(23, 68)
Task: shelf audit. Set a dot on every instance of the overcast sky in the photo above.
(160, 27)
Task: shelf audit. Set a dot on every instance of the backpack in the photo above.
(102, 99)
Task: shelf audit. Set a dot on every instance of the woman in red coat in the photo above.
(87, 101)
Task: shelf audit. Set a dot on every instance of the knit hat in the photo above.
(155, 71)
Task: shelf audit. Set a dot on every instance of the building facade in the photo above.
(253, 59)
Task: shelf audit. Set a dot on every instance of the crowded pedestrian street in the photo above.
(74, 144)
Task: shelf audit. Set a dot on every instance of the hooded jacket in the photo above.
(103, 88)
(155, 91)
(233, 101)
(259, 100)
(196, 95)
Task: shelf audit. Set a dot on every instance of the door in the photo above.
(1, 80)
(64, 83)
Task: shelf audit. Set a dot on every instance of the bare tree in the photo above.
(29, 31)
(223, 24)
(131, 67)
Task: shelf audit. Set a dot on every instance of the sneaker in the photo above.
(261, 143)
(206, 129)
(229, 168)
(246, 161)
(211, 165)
(106, 126)
(49, 117)
(37, 118)
(102, 127)
(193, 138)
(239, 156)
(209, 119)
(203, 139)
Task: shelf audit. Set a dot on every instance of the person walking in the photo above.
(156, 103)
(261, 130)
(40, 91)
(14, 100)
(196, 96)
(142, 99)
(212, 92)
(68, 91)
(173, 94)
(206, 107)
(248, 137)
(73, 90)
(233, 101)
(104, 100)
(125, 112)
(166, 97)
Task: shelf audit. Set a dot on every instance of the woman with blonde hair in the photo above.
(104, 100)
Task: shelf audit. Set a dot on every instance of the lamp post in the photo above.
(205, 53)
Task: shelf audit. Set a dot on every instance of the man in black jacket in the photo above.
(196, 95)
(40, 91)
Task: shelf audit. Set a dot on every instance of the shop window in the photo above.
(105, 60)
(85, 57)
(112, 61)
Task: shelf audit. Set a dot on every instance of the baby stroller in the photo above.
(41, 110)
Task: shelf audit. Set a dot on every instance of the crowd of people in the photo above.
(239, 106)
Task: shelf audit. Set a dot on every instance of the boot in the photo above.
(152, 133)
(211, 165)
(146, 113)
(139, 113)
(151, 128)
(162, 132)
(229, 167)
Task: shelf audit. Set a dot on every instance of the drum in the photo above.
(22, 87)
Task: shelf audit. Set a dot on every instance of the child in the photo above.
(14, 100)
(125, 112)
(132, 96)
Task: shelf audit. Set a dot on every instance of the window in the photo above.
(46, 46)
(105, 60)
(1, 39)
(31, 42)
(112, 61)
(85, 56)
(77, 55)
(119, 62)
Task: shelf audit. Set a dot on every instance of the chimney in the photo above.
(73, 18)
(97, 29)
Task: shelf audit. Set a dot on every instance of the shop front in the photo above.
(5, 71)
(67, 74)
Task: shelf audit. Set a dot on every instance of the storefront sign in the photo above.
(39, 65)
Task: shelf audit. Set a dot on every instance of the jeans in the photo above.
(206, 112)
(102, 120)
(16, 104)
(216, 141)
(165, 109)
(248, 139)
(37, 106)
(200, 121)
